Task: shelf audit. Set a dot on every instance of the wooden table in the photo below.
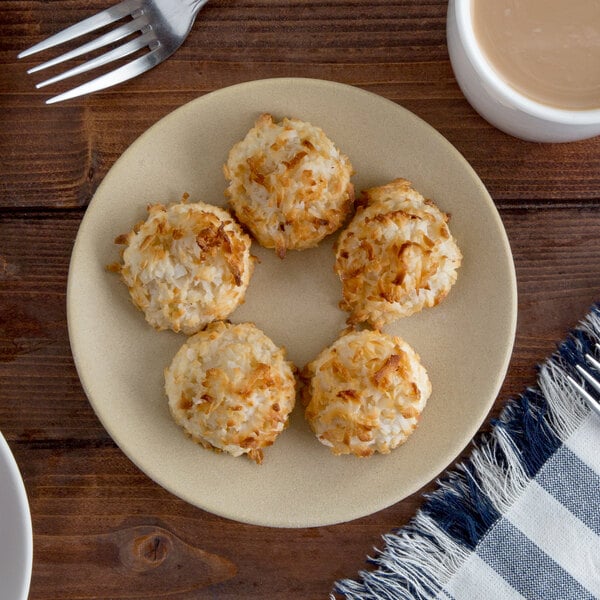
(102, 529)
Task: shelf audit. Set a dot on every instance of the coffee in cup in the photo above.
(548, 50)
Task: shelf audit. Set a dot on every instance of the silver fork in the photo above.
(590, 400)
(161, 25)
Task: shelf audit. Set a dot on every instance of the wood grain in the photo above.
(102, 529)
(395, 49)
(139, 558)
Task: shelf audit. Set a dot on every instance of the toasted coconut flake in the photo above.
(396, 256)
(238, 388)
(371, 405)
(188, 264)
(288, 184)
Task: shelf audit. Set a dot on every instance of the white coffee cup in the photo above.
(498, 102)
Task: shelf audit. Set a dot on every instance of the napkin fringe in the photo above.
(420, 558)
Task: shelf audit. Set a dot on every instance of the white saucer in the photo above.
(16, 539)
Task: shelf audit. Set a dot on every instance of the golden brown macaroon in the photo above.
(288, 184)
(231, 389)
(186, 265)
(365, 393)
(396, 256)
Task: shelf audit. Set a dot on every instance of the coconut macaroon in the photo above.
(396, 256)
(186, 265)
(288, 184)
(365, 393)
(231, 389)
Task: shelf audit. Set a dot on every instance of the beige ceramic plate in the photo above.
(465, 342)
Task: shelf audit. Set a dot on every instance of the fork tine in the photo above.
(592, 360)
(588, 398)
(591, 380)
(108, 38)
(124, 50)
(132, 69)
(110, 15)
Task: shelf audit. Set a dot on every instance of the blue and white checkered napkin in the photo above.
(520, 518)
